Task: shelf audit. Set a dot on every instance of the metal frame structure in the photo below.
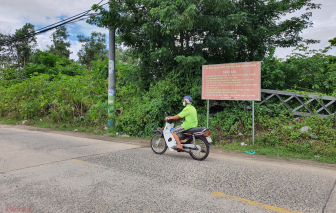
(323, 101)
(329, 100)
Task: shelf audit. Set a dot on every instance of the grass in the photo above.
(9, 121)
(277, 151)
(46, 123)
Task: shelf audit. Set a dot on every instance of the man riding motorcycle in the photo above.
(190, 114)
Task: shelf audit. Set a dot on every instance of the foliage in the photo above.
(127, 56)
(9, 76)
(81, 100)
(167, 43)
(141, 114)
(100, 70)
(18, 53)
(332, 42)
(60, 46)
(25, 48)
(65, 97)
(93, 48)
(224, 31)
(280, 132)
(47, 63)
(70, 99)
(310, 70)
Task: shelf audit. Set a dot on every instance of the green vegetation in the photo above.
(276, 134)
(278, 151)
(60, 46)
(312, 71)
(64, 98)
(172, 39)
(18, 54)
(93, 48)
(47, 63)
(167, 43)
(47, 123)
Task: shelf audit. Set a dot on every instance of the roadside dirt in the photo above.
(216, 150)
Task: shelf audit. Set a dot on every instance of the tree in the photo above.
(6, 50)
(25, 48)
(45, 62)
(93, 48)
(19, 51)
(177, 37)
(304, 69)
(332, 42)
(125, 56)
(60, 46)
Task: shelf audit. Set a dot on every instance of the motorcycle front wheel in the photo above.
(158, 144)
(203, 154)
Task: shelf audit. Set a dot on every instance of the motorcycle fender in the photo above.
(158, 132)
(207, 143)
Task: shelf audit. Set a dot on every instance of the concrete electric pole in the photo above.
(111, 79)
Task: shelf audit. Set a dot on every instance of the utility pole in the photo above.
(111, 79)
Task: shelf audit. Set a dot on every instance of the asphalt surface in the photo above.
(48, 172)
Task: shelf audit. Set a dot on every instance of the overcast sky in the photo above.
(15, 13)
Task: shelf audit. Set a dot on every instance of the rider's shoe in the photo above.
(176, 148)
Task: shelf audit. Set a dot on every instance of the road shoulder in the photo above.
(214, 150)
(331, 203)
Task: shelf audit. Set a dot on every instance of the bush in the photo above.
(64, 97)
(47, 63)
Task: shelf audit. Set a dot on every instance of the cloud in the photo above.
(324, 27)
(44, 40)
(14, 14)
(75, 47)
(41, 11)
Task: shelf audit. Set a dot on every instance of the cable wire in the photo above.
(49, 27)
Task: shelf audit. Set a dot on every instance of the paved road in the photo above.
(48, 172)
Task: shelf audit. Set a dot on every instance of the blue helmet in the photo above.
(188, 98)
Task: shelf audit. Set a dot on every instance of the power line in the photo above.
(63, 20)
(53, 26)
(86, 13)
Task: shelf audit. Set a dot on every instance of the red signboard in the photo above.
(237, 81)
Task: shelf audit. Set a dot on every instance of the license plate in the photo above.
(209, 139)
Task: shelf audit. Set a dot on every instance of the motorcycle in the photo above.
(195, 141)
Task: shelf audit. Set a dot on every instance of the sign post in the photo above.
(253, 122)
(235, 81)
(207, 113)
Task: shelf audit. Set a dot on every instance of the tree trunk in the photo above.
(187, 41)
(181, 40)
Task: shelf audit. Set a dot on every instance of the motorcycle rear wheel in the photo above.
(203, 154)
(158, 144)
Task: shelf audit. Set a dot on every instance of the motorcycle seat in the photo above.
(194, 130)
